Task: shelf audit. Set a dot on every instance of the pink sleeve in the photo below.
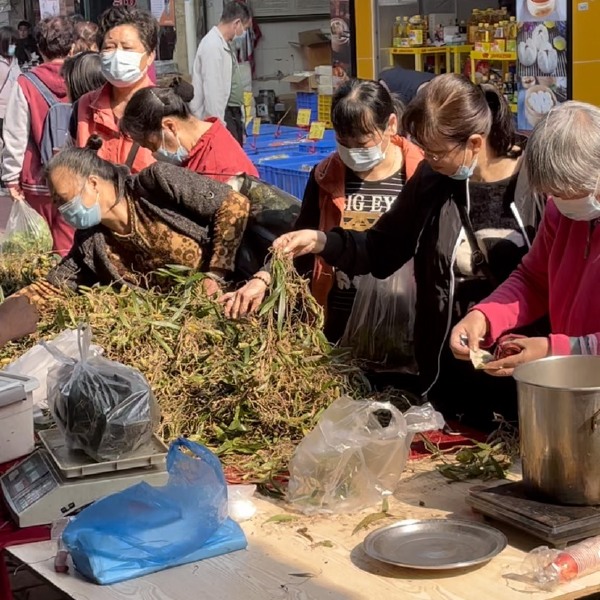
(563, 345)
(523, 297)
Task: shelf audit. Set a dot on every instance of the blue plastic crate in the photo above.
(263, 161)
(308, 100)
(291, 175)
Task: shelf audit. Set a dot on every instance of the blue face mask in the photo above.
(178, 156)
(463, 172)
(12, 48)
(76, 214)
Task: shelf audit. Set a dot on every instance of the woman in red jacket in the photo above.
(159, 119)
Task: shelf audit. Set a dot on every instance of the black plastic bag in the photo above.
(103, 407)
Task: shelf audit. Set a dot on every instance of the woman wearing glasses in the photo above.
(467, 217)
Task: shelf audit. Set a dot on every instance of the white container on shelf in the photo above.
(16, 415)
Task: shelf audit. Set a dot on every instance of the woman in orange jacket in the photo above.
(351, 188)
(127, 51)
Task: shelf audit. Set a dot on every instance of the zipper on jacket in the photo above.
(450, 295)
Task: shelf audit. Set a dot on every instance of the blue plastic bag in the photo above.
(144, 529)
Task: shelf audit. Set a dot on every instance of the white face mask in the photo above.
(122, 67)
(361, 160)
(582, 209)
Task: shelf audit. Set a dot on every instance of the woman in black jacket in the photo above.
(127, 227)
(467, 217)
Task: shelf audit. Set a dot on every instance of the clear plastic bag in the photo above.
(38, 361)
(145, 529)
(380, 327)
(26, 233)
(355, 455)
(103, 407)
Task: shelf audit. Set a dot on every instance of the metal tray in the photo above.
(435, 544)
(78, 464)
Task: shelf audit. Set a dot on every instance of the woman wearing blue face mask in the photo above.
(128, 39)
(9, 68)
(128, 227)
(467, 216)
(351, 189)
(160, 119)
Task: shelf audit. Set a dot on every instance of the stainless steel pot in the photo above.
(559, 421)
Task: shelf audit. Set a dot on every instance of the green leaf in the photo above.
(281, 519)
(369, 520)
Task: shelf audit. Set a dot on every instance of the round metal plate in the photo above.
(435, 544)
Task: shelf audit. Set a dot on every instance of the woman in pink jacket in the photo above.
(560, 276)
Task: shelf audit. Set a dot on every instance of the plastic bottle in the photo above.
(397, 33)
(404, 40)
(499, 43)
(575, 561)
(511, 35)
(415, 32)
(479, 38)
(473, 26)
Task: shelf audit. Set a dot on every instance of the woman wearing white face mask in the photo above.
(160, 119)
(470, 182)
(560, 276)
(128, 43)
(351, 188)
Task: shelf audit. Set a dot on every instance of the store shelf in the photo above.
(499, 56)
(417, 50)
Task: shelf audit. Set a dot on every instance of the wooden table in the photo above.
(281, 563)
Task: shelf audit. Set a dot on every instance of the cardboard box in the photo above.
(324, 71)
(302, 82)
(325, 90)
(315, 46)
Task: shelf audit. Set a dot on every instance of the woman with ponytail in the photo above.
(160, 119)
(467, 216)
(128, 227)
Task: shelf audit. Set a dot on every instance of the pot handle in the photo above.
(596, 420)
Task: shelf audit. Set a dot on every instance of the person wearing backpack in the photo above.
(36, 125)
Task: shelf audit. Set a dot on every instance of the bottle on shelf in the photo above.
(404, 40)
(499, 41)
(473, 26)
(416, 38)
(511, 35)
(397, 33)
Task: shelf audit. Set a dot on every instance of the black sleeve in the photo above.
(309, 216)
(393, 240)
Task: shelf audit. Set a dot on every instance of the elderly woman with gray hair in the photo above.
(560, 276)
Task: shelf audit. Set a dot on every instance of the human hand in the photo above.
(467, 334)
(247, 299)
(16, 193)
(531, 349)
(299, 243)
(211, 287)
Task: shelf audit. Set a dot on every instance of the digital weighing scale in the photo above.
(556, 524)
(54, 482)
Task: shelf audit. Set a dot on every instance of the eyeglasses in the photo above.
(437, 156)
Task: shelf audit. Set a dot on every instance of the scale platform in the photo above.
(554, 523)
(54, 482)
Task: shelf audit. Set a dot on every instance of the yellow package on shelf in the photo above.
(325, 110)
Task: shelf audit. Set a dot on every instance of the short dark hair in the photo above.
(146, 25)
(55, 37)
(24, 24)
(149, 106)
(83, 74)
(8, 36)
(363, 107)
(236, 10)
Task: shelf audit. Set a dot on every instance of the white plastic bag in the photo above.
(351, 459)
(37, 361)
(27, 232)
(239, 502)
(380, 327)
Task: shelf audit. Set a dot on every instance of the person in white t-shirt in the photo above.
(218, 88)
